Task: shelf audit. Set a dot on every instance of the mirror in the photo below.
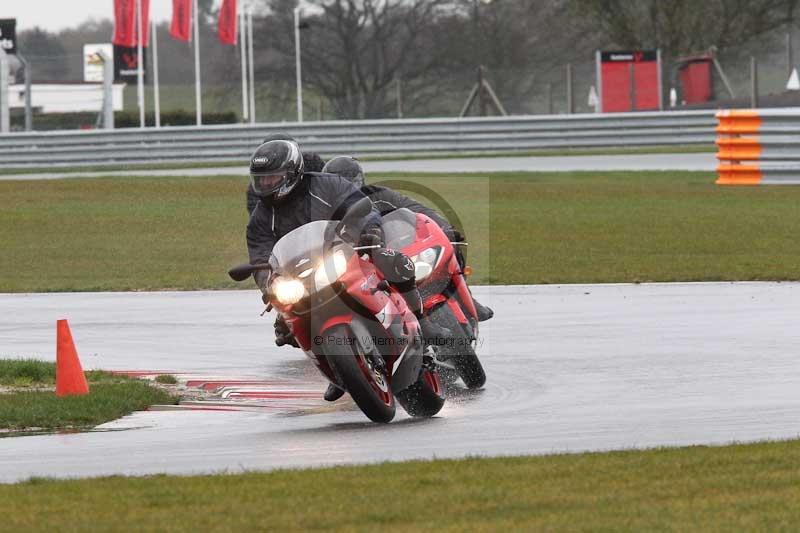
(352, 217)
(244, 271)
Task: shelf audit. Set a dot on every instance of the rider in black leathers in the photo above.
(289, 197)
(388, 200)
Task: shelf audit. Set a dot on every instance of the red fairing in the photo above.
(430, 234)
(457, 312)
(335, 321)
(464, 294)
(434, 300)
(299, 331)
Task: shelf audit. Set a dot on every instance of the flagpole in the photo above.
(297, 64)
(139, 69)
(198, 102)
(243, 51)
(156, 97)
(252, 60)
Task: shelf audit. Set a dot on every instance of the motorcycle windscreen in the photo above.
(400, 228)
(303, 245)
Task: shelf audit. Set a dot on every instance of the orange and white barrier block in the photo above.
(758, 147)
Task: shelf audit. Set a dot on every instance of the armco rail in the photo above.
(236, 143)
(759, 147)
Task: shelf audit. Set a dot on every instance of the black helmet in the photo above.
(276, 168)
(312, 161)
(279, 136)
(346, 167)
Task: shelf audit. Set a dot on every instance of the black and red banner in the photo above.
(125, 31)
(181, 27)
(126, 64)
(8, 35)
(227, 22)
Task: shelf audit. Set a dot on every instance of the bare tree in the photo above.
(524, 44)
(683, 26)
(355, 50)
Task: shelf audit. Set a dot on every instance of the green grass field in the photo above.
(734, 488)
(29, 401)
(184, 233)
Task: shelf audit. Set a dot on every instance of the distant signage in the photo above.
(635, 56)
(126, 63)
(8, 35)
(92, 63)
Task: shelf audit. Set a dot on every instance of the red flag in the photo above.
(125, 30)
(181, 26)
(227, 22)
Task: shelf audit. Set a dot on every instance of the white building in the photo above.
(64, 97)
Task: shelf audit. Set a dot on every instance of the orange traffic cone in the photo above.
(69, 373)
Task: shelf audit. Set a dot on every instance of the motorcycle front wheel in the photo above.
(366, 385)
(425, 397)
(460, 354)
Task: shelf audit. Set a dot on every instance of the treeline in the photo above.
(360, 55)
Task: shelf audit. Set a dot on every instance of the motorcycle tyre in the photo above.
(461, 354)
(357, 377)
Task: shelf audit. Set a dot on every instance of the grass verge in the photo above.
(741, 487)
(29, 402)
(679, 149)
(550, 227)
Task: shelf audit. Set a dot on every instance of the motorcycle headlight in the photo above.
(330, 269)
(288, 291)
(425, 262)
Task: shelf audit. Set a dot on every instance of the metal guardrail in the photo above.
(759, 147)
(419, 136)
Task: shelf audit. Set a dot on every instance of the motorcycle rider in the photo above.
(388, 200)
(311, 161)
(289, 197)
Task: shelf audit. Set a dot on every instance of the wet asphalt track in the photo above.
(571, 368)
(633, 162)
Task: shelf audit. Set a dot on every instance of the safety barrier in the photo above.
(418, 136)
(758, 147)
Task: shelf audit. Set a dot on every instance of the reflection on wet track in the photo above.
(570, 368)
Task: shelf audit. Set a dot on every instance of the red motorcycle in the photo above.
(356, 328)
(443, 286)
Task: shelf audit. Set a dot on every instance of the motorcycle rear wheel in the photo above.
(461, 354)
(425, 397)
(371, 392)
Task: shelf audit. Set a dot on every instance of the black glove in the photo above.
(261, 278)
(371, 236)
(283, 335)
(456, 235)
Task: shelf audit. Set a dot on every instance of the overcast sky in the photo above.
(54, 15)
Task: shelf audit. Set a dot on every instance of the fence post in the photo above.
(753, 82)
(108, 91)
(481, 93)
(399, 96)
(632, 78)
(5, 124)
(570, 97)
(28, 106)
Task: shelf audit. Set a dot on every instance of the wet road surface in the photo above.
(570, 368)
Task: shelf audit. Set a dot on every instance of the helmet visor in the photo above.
(268, 183)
